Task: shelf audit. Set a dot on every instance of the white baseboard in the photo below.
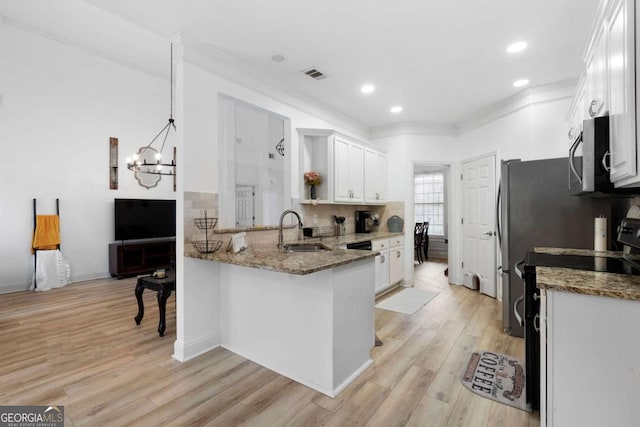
(8, 288)
(87, 277)
(186, 351)
(352, 377)
(283, 371)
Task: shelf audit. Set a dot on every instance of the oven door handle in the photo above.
(518, 268)
(515, 310)
(536, 327)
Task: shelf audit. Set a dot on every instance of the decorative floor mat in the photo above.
(498, 377)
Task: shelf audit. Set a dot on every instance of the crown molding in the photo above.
(151, 71)
(556, 91)
(211, 59)
(536, 95)
(413, 128)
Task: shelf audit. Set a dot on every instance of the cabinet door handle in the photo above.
(382, 259)
(604, 161)
(397, 254)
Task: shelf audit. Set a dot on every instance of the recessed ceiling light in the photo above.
(396, 109)
(521, 82)
(278, 58)
(368, 88)
(517, 47)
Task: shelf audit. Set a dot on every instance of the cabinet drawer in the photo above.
(379, 245)
(396, 241)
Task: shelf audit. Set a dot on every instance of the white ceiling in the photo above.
(443, 61)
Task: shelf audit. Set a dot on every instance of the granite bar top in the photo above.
(621, 286)
(267, 257)
(301, 263)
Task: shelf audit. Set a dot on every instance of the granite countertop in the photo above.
(267, 257)
(621, 286)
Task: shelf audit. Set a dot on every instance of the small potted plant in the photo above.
(312, 179)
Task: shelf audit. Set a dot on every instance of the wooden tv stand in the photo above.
(138, 257)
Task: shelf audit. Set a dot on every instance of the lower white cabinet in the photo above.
(396, 261)
(382, 271)
(590, 349)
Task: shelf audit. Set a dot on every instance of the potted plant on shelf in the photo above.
(312, 179)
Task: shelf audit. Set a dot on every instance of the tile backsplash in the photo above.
(195, 204)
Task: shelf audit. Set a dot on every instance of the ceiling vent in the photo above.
(315, 74)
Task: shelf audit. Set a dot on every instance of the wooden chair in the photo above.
(425, 239)
(417, 241)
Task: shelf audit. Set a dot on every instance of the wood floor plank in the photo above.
(79, 346)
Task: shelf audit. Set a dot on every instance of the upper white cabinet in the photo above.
(375, 176)
(577, 113)
(622, 92)
(349, 171)
(609, 87)
(352, 171)
(596, 97)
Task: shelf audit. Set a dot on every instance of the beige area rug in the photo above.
(407, 301)
(498, 377)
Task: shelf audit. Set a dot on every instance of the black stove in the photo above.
(581, 262)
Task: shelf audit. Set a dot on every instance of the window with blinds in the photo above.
(429, 201)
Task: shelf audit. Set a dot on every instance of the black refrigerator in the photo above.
(536, 209)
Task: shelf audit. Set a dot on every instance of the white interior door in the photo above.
(478, 222)
(244, 206)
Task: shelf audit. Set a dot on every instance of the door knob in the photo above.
(489, 233)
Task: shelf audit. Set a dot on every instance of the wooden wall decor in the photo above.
(113, 163)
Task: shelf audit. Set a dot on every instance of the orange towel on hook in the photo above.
(47, 233)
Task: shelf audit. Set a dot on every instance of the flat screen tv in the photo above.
(144, 218)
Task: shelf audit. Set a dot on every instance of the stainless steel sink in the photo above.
(306, 247)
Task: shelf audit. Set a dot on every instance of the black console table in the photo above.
(163, 287)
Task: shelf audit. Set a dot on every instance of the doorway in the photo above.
(430, 198)
(245, 215)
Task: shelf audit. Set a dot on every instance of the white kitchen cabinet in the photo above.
(353, 172)
(348, 171)
(577, 113)
(596, 97)
(590, 347)
(620, 32)
(375, 176)
(396, 261)
(382, 271)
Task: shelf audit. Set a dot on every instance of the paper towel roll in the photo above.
(600, 234)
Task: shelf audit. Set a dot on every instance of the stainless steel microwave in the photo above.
(588, 157)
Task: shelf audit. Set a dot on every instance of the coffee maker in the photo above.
(363, 222)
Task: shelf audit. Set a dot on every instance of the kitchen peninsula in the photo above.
(306, 315)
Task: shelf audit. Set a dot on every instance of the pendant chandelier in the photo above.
(148, 160)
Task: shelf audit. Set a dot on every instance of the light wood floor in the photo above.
(79, 347)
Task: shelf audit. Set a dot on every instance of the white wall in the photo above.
(535, 131)
(403, 152)
(59, 106)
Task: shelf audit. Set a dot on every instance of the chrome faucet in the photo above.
(280, 237)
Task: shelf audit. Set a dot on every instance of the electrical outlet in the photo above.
(315, 219)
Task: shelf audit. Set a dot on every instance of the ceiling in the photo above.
(441, 61)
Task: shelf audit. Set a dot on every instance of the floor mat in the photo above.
(407, 301)
(498, 377)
